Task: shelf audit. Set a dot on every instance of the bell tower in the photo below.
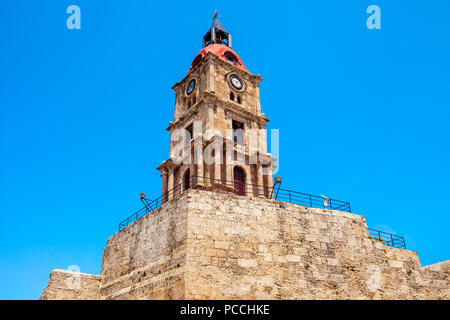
(218, 136)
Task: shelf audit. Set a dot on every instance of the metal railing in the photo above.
(310, 200)
(388, 239)
(237, 188)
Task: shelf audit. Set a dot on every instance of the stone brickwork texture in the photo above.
(68, 285)
(206, 245)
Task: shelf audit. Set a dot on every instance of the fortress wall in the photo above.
(206, 245)
(68, 285)
(253, 248)
(145, 260)
(434, 280)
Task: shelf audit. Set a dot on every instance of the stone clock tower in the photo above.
(240, 242)
(218, 137)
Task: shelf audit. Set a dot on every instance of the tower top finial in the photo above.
(217, 34)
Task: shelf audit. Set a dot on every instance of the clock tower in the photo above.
(218, 136)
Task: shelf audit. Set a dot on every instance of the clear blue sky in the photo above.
(363, 116)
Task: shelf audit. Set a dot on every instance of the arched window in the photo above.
(231, 58)
(238, 132)
(239, 180)
(186, 180)
(231, 96)
(196, 61)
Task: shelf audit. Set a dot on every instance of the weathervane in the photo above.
(217, 34)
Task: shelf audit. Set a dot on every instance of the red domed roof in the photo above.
(223, 52)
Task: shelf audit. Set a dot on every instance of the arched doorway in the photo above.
(186, 180)
(239, 181)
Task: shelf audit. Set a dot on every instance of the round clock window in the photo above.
(190, 87)
(236, 82)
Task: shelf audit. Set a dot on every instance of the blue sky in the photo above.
(363, 116)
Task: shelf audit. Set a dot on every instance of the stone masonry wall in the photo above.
(145, 260)
(253, 248)
(206, 245)
(68, 285)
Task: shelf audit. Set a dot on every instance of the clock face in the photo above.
(190, 87)
(236, 82)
